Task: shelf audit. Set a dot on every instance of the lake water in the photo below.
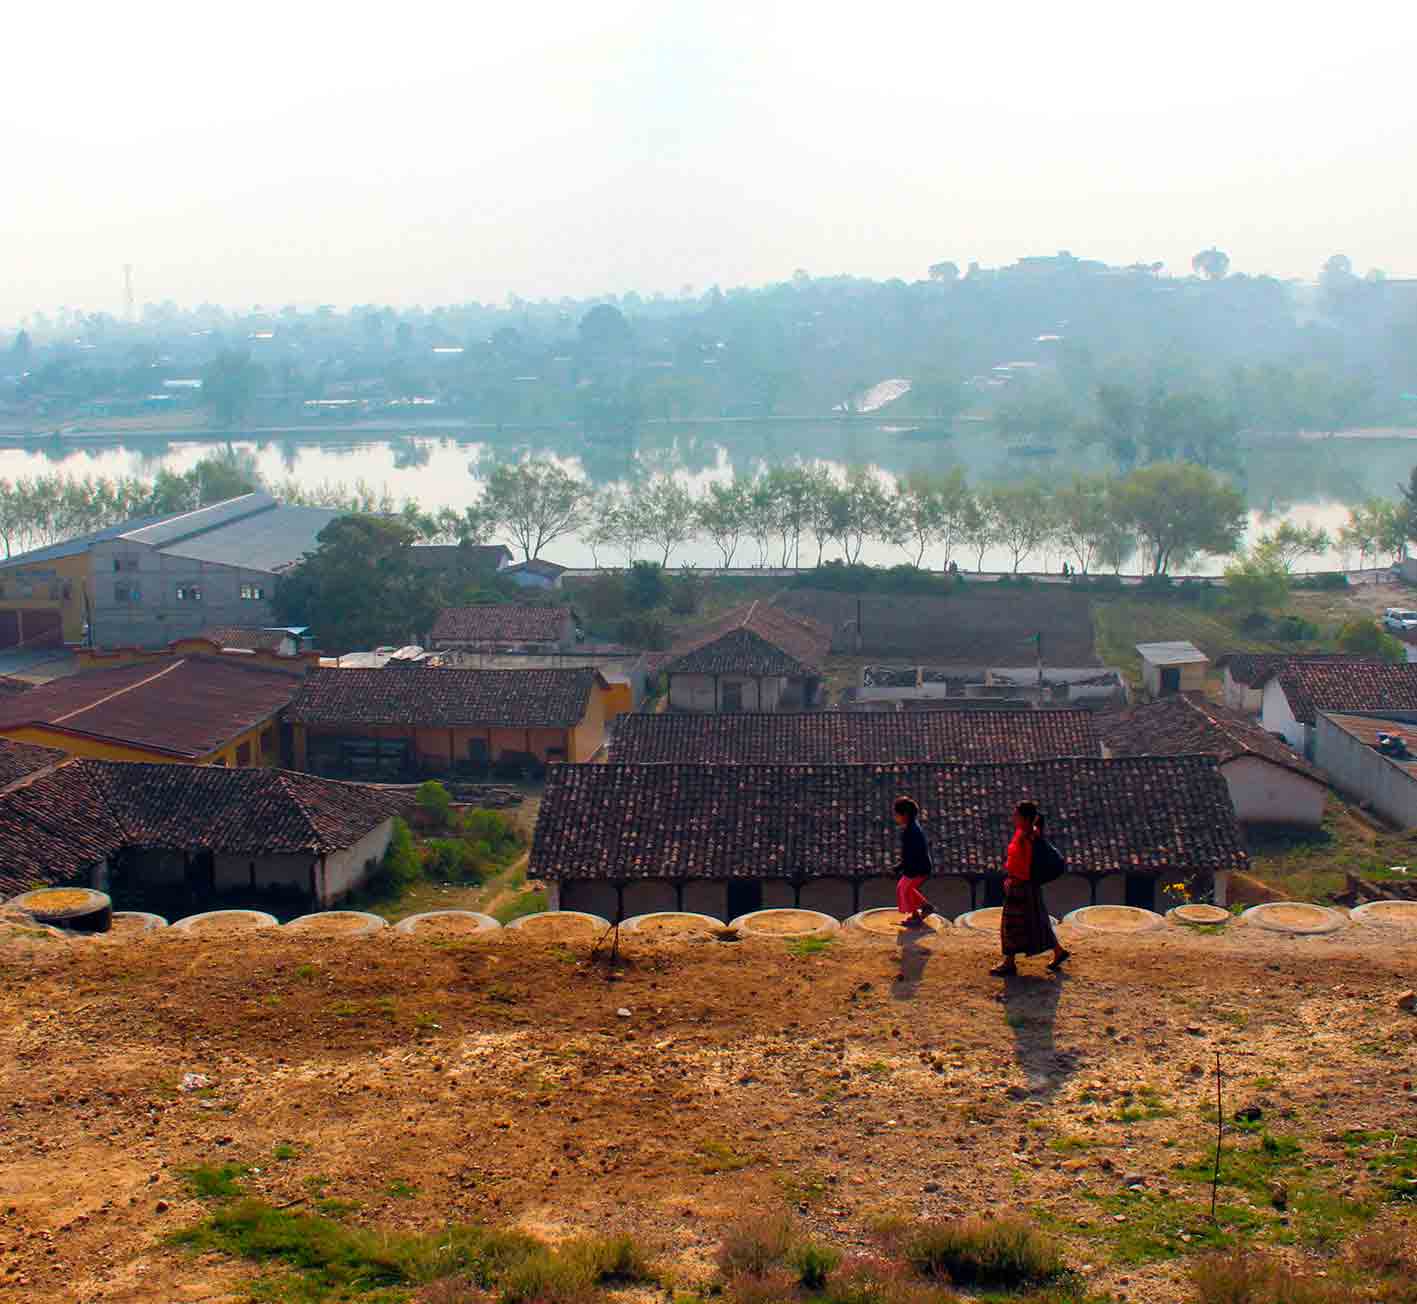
(1308, 481)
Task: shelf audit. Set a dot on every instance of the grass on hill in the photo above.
(1312, 866)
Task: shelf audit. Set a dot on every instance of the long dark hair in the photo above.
(1028, 810)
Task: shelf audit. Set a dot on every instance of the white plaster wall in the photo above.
(345, 870)
(1277, 717)
(1265, 793)
(691, 692)
(1365, 774)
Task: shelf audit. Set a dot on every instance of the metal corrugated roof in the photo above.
(81, 543)
(1171, 654)
(200, 520)
(270, 540)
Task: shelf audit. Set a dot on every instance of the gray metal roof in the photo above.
(82, 542)
(267, 540)
(1171, 654)
(211, 517)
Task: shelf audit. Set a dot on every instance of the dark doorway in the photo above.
(1141, 891)
(732, 697)
(200, 875)
(479, 755)
(1170, 680)
(744, 896)
(993, 890)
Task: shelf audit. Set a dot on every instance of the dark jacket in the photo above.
(915, 859)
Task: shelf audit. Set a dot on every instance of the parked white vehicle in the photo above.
(1400, 619)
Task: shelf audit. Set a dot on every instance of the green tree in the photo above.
(1257, 583)
(433, 800)
(1193, 426)
(645, 586)
(667, 514)
(401, 867)
(535, 502)
(1408, 503)
(1181, 511)
(722, 515)
(980, 527)
(858, 510)
(1365, 637)
(1285, 545)
(1023, 514)
(1085, 518)
(229, 383)
(944, 273)
(359, 588)
(926, 512)
(1035, 412)
(1211, 263)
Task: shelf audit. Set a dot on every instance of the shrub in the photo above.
(493, 828)
(1250, 1277)
(1326, 581)
(814, 1263)
(1005, 1252)
(605, 597)
(400, 868)
(647, 630)
(1294, 629)
(645, 587)
(1368, 638)
(450, 860)
(524, 903)
(686, 592)
(753, 1246)
(434, 801)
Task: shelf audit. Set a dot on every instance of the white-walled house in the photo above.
(1243, 674)
(1294, 695)
(1167, 668)
(1371, 760)
(1269, 782)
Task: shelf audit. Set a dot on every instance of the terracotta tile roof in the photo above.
(19, 760)
(1253, 668)
(537, 566)
(501, 623)
(81, 812)
(755, 639)
(1152, 815)
(848, 736)
(432, 697)
(187, 707)
(1183, 725)
(1352, 686)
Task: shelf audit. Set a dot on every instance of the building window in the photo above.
(189, 593)
(127, 593)
(125, 563)
(252, 593)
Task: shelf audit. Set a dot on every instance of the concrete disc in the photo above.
(448, 923)
(1299, 918)
(885, 922)
(132, 923)
(561, 925)
(218, 923)
(673, 923)
(785, 923)
(1114, 919)
(1395, 914)
(1199, 913)
(338, 923)
(986, 920)
(79, 908)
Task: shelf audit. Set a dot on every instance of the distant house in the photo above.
(1372, 760)
(147, 582)
(727, 839)
(1168, 668)
(470, 558)
(833, 737)
(756, 658)
(504, 627)
(1269, 783)
(1295, 694)
(190, 835)
(282, 641)
(1245, 673)
(209, 710)
(407, 722)
(535, 574)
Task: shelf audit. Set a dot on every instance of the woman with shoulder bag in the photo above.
(1025, 928)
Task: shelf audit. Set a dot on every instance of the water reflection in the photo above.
(1310, 481)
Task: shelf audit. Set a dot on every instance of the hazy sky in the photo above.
(430, 153)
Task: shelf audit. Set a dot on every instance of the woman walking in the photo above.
(1025, 928)
(915, 865)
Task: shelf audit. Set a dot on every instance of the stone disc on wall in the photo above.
(785, 922)
(133, 923)
(1114, 920)
(1197, 912)
(1394, 914)
(221, 923)
(1299, 918)
(561, 925)
(667, 924)
(885, 922)
(987, 920)
(338, 923)
(79, 908)
(448, 923)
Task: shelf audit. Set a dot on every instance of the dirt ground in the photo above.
(519, 1084)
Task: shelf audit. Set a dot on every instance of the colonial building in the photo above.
(1269, 782)
(504, 628)
(1294, 695)
(146, 582)
(727, 839)
(756, 658)
(184, 836)
(824, 737)
(406, 722)
(211, 710)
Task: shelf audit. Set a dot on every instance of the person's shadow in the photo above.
(914, 956)
(1031, 1009)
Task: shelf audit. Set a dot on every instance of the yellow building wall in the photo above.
(589, 736)
(70, 571)
(98, 749)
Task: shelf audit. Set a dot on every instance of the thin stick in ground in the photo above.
(1219, 1136)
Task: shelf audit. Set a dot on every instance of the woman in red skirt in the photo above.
(1025, 928)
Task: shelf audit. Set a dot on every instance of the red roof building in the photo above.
(504, 627)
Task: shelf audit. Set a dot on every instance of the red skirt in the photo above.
(909, 900)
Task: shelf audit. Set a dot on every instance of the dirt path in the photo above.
(422, 1082)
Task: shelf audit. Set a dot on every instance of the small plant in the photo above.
(284, 1152)
(435, 803)
(754, 1246)
(307, 973)
(988, 1252)
(805, 946)
(401, 1190)
(720, 1157)
(214, 1181)
(814, 1263)
(524, 903)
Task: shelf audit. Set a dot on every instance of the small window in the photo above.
(252, 593)
(127, 593)
(189, 593)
